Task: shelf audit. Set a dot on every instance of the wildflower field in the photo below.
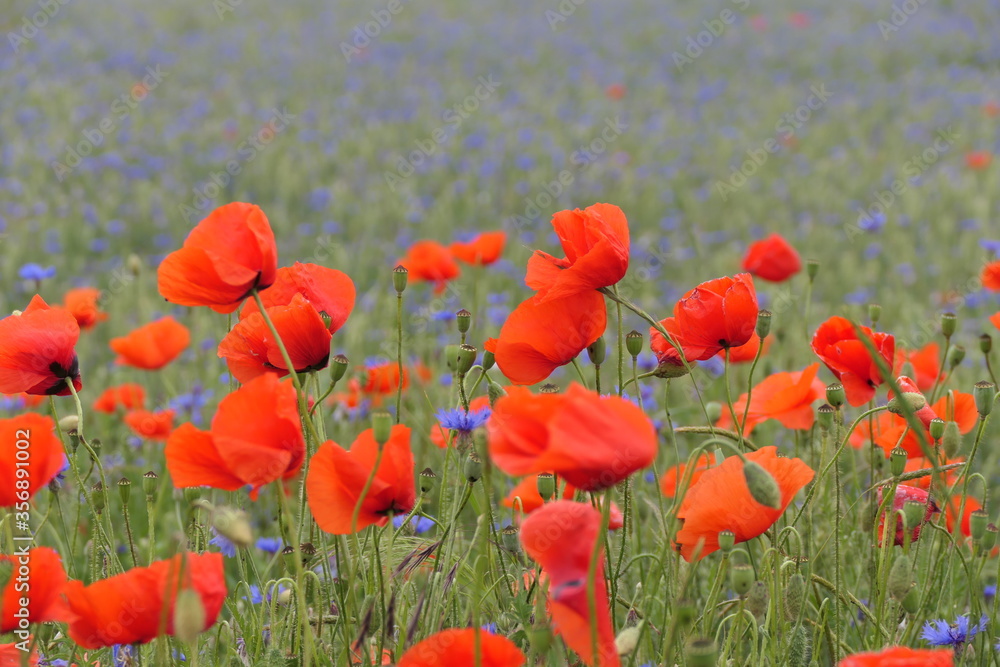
(454, 333)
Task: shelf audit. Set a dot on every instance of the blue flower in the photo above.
(36, 272)
(420, 524)
(256, 597)
(460, 420)
(121, 655)
(941, 633)
(990, 246)
(491, 628)
(271, 545)
(225, 545)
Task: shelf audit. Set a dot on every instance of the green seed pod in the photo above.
(989, 538)
(701, 653)
(488, 360)
(466, 358)
(463, 319)
(189, 616)
(381, 427)
(741, 578)
(835, 395)
(951, 441)
(98, 497)
(949, 323)
(984, 392)
(978, 521)
(150, 481)
(124, 490)
(428, 480)
(900, 579)
(985, 343)
(758, 599)
(874, 313)
(338, 367)
(955, 356)
(400, 276)
(597, 351)
(685, 613)
(812, 268)
(633, 343)
(510, 539)
(546, 482)
(473, 467)
(915, 400)
(936, 428)
(548, 388)
(451, 357)
(727, 540)
(288, 556)
(914, 512)
(763, 324)
(714, 410)
(897, 461)
(795, 595)
(800, 648)
(494, 392)
(824, 416)
(763, 488)
(911, 603)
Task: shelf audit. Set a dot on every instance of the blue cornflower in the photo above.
(420, 524)
(225, 545)
(256, 596)
(462, 421)
(271, 545)
(121, 655)
(989, 592)
(990, 246)
(491, 628)
(37, 272)
(941, 633)
(55, 662)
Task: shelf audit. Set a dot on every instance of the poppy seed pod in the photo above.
(824, 415)
(189, 616)
(874, 313)
(949, 323)
(463, 319)
(466, 358)
(124, 491)
(897, 461)
(633, 343)
(900, 579)
(984, 392)
(985, 343)
(381, 426)
(400, 276)
(338, 367)
(956, 356)
(727, 540)
(936, 428)
(989, 538)
(812, 268)
(510, 539)
(951, 441)
(150, 481)
(741, 578)
(451, 357)
(597, 351)
(98, 497)
(546, 482)
(763, 327)
(428, 480)
(977, 524)
(835, 395)
(685, 612)
(763, 487)
(473, 468)
(701, 653)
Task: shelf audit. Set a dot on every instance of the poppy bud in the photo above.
(701, 653)
(685, 613)
(936, 428)
(134, 265)
(124, 490)
(466, 358)
(812, 268)
(463, 319)
(874, 313)
(800, 650)
(897, 461)
(951, 441)
(989, 538)
(628, 639)
(98, 497)
(597, 351)
(758, 599)
(911, 603)
(381, 427)
(763, 324)
(548, 388)
(985, 343)
(727, 540)
(473, 467)
(495, 392)
(233, 525)
(488, 360)
(914, 512)
(915, 400)
(6, 572)
(762, 486)
(451, 357)
(714, 410)
(741, 578)
(150, 481)
(900, 578)
(540, 638)
(977, 524)
(949, 322)
(824, 415)
(428, 480)
(510, 540)
(399, 278)
(189, 616)
(633, 343)
(338, 367)
(835, 395)
(69, 423)
(795, 595)
(546, 483)
(984, 392)
(955, 356)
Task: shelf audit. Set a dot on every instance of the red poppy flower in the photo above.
(37, 576)
(891, 430)
(483, 250)
(772, 259)
(675, 474)
(337, 477)
(81, 302)
(224, 258)
(926, 363)
(383, 379)
(991, 278)
(838, 346)
(429, 261)
(152, 346)
(29, 437)
(37, 351)
(129, 396)
(539, 337)
(991, 108)
(900, 656)
(330, 292)
(995, 320)
(596, 243)
(978, 160)
(131, 608)
(787, 397)
(11, 656)
(746, 353)
(615, 91)
(721, 501)
(457, 648)
(151, 425)
(905, 493)
(951, 509)
(715, 315)
(560, 538)
(531, 500)
(255, 438)
(250, 350)
(592, 442)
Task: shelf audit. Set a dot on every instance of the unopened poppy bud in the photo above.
(984, 392)
(633, 343)
(473, 467)
(381, 427)
(897, 461)
(977, 524)
(597, 351)
(495, 392)
(900, 577)
(150, 481)
(936, 428)
(951, 441)
(69, 423)
(628, 639)
(713, 410)
(989, 538)
(915, 400)
(134, 265)
(835, 395)
(824, 416)
(812, 268)
(546, 482)
(795, 595)
(741, 578)
(189, 616)
(911, 603)
(949, 323)
(6, 572)
(701, 653)
(914, 512)
(685, 613)
(985, 343)
(800, 647)
(763, 488)
(451, 357)
(874, 313)
(727, 540)
(466, 358)
(234, 525)
(510, 539)
(758, 598)
(428, 480)
(763, 324)
(463, 319)
(338, 367)
(98, 497)
(124, 490)
(488, 360)
(400, 276)
(955, 356)
(548, 388)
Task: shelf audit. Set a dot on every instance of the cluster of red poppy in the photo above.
(429, 261)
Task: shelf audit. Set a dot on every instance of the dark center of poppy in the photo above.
(62, 374)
